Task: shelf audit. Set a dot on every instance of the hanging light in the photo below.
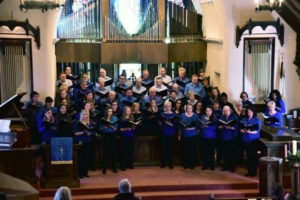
(43, 5)
(273, 5)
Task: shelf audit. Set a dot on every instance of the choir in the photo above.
(189, 110)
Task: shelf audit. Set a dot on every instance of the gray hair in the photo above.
(124, 186)
(63, 193)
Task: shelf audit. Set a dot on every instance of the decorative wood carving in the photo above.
(263, 24)
(11, 24)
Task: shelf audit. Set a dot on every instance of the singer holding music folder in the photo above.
(167, 123)
(188, 123)
(250, 129)
(127, 139)
(108, 128)
(272, 117)
(83, 131)
(228, 131)
(208, 127)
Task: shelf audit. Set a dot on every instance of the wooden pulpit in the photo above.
(60, 175)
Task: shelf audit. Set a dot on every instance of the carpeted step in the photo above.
(174, 195)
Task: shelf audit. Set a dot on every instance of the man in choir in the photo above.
(196, 87)
(165, 78)
(48, 105)
(138, 88)
(175, 88)
(80, 94)
(129, 99)
(110, 99)
(63, 80)
(152, 95)
(159, 87)
(102, 88)
(68, 71)
(90, 85)
(201, 75)
(31, 111)
(102, 73)
(121, 83)
(146, 79)
(172, 99)
(182, 78)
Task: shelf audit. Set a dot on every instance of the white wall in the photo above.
(228, 60)
(44, 61)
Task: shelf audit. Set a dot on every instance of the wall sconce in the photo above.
(43, 5)
(273, 5)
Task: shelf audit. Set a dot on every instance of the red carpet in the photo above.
(154, 183)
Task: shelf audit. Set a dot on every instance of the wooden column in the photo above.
(295, 178)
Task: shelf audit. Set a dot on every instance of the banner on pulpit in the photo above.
(61, 151)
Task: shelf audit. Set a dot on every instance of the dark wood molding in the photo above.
(11, 24)
(263, 24)
(297, 57)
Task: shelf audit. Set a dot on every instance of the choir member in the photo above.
(108, 101)
(208, 126)
(175, 87)
(47, 127)
(48, 105)
(224, 101)
(152, 95)
(62, 94)
(102, 73)
(83, 136)
(245, 101)
(31, 111)
(137, 115)
(228, 134)
(207, 87)
(168, 131)
(239, 151)
(65, 125)
(196, 87)
(201, 75)
(166, 79)
(218, 112)
(275, 96)
(146, 79)
(198, 109)
(63, 80)
(101, 88)
(152, 117)
(117, 111)
(178, 109)
(128, 99)
(127, 139)
(187, 134)
(271, 114)
(109, 134)
(79, 94)
(171, 99)
(85, 78)
(216, 108)
(68, 71)
(191, 99)
(46, 130)
(159, 87)
(215, 94)
(138, 90)
(250, 138)
(121, 83)
(182, 78)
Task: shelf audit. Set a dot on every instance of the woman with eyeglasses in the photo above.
(168, 130)
(250, 139)
(188, 123)
(178, 109)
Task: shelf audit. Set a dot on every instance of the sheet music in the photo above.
(4, 125)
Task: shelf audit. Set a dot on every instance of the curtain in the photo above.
(258, 69)
(11, 68)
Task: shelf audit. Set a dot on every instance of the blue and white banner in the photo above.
(61, 151)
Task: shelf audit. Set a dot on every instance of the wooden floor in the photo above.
(151, 182)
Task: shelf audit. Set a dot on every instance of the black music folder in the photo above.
(189, 125)
(148, 85)
(122, 90)
(107, 123)
(229, 123)
(271, 119)
(83, 126)
(251, 127)
(205, 123)
(73, 78)
(162, 93)
(181, 83)
(169, 119)
(49, 124)
(102, 94)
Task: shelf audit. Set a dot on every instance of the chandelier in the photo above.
(43, 5)
(273, 5)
